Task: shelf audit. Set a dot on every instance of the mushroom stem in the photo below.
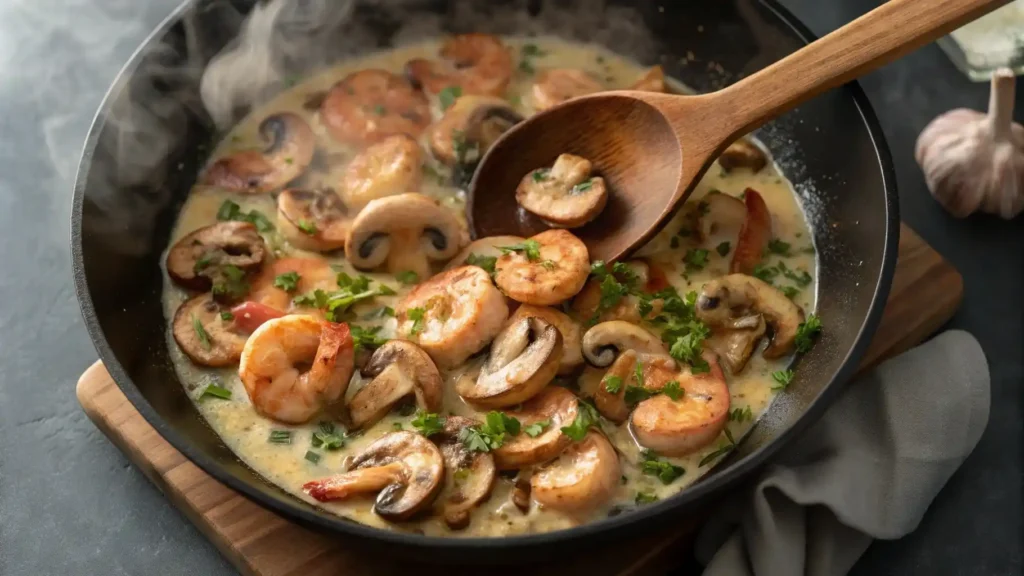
(1000, 103)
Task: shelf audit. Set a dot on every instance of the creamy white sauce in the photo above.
(246, 432)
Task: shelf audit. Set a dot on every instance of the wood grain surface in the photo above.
(926, 292)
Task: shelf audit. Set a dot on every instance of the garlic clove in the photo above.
(974, 162)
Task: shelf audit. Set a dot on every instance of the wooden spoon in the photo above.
(653, 148)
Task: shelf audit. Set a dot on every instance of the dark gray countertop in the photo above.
(70, 503)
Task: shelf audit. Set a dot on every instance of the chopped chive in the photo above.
(312, 457)
(216, 391)
(280, 437)
(201, 333)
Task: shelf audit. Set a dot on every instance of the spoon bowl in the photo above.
(652, 148)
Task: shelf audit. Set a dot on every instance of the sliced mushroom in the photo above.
(605, 341)
(524, 358)
(585, 476)
(721, 219)
(725, 299)
(470, 474)
(204, 336)
(289, 149)
(754, 236)
(399, 369)
(404, 467)
(483, 248)
(198, 260)
(572, 353)
(404, 233)
(652, 81)
(687, 424)
(565, 195)
(555, 406)
(314, 220)
(743, 153)
(469, 127)
(392, 166)
(735, 341)
(554, 274)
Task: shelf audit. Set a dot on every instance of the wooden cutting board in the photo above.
(925, 293)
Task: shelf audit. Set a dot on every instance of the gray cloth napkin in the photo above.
(868, 469)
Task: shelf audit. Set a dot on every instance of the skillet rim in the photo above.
(714, 483)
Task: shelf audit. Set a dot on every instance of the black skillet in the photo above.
(151, 135)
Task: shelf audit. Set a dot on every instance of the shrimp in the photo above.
(687, 424)
(370, 105)
(390, 167)
(554, 273)
(476, 63)
(312, 273)
(561, 84)
(453, 315)
(272, 367)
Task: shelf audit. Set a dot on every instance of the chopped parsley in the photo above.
(380, 313)
(308, 228)
(280, 437)
(790, 291)
(408, 277)
(417, 316)
(720, 451)
(741, 414)
(695, 259)
(448, 96)
(664, 471)
(485, 262)
(586, 416)
(614, 284)
(638, 373)
(533, 50)
(366, 338)
(644, 498)
(231, 283)
(529, 248)
(582, 187)
(541, 174)
(765, 272)
(636, 394)
(289, 281)
(800, 276)
(214, 390)
(672, 390)
(549, 264)
(807, 332)
(201, 333)
(612, 384)
(491, 434)
(336, 303)
(232, 211)
(782, 379)
(312, 457)
(465, 151)
(227, 316)
(397, 426)
(723, 248)
(428, 423)
(535, 429)
(203, 261)
(683, 333)
(326, 436)
(776, 246)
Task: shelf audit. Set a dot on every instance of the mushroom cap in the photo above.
(572, 351)
(196, 259)
(389, 167)
(524, 358)
(553, 404)
(406, 231)
(566, 195)
(398, 368)
(605, 341)
(557, 275)
(322, 209)
(679, 427)
(735, 342)
(743, 153)
(722, 220)
(476, 121)
(463, 312)
(406, 468)
(585, 476)
(470, 475)
(225, 343)
(290, 144)
(724, 299)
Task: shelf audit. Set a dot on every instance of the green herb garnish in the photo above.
(541, 174)
(790, 291)
(695, 259)
(776, 246)
(289, 281)
(227, 316)
(636, 394)
(741, 414)
(782, 378)
(230, 210)
(380, 110)
(612, 384)
(582, 187)
(428, 423)
(491, 434)
(807, 332)
(417, 316)
(535, 429)
(644, 498)
(201, 333)
(672, 390)
(214, 390)
(530, 248)
(308, 228)
(280, 437)
(766, 273)
(366, 338)
(586, 416)
(407, 277)
(231, 283)
(448, 95)
(397, 426)
(312, 457)
(485, 262)
(380, 313)
(721, 451)
(326, 436)
(664, 471)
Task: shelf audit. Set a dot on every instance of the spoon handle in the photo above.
(873, 40)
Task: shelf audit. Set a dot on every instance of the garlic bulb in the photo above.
(974, 162)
